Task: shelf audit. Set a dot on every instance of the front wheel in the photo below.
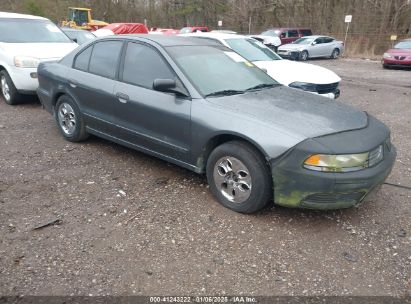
(335, 54)
(8, 90)
(304, 56)
(70, 120)
(239, 177)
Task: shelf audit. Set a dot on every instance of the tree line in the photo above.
(374, 21)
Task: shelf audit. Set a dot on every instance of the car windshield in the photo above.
(80, 36)
(30, 31)
(271, 33)
(252, 49)
(215, 70)
(403, 45)
(304, 40)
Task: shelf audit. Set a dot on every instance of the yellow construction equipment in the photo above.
(80, 18)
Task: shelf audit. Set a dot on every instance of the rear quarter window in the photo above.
(292, 33)
(82, 60)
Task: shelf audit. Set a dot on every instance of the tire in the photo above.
(239, 177)
(387, 67)
(8, 90)
(70, 120)
(304, 56)
(335, 54)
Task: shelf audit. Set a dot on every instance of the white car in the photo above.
(304, 76)
(273, 42)
(25, 41)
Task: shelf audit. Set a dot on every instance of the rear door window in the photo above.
(143, 64)
(306, 32)
(292, 33)
(105, 58)
(319, 40)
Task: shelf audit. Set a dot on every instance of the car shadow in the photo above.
(322, 217)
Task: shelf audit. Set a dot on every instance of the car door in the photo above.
(152, 120)
(316, 49)
(328, 46)
(91, 83)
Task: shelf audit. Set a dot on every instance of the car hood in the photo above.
(39, 50)
(399, 52)
(292, 47)
(294, 112)
(287, 71)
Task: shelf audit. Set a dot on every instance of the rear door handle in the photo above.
(123, 98)
(73, 83)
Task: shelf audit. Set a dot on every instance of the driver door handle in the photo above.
(123, 98)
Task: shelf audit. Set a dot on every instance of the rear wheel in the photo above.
(239, 177)
(335, 54)
(8, 90)
(304, 56)
(70, 120)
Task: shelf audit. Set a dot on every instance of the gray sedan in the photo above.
(198, 104)
(312, 47)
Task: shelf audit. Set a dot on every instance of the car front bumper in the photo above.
(293, 55)
(24, 79)
(298, 187)
(406, 62)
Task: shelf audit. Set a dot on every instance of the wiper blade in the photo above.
(262, 86)
(225, 93)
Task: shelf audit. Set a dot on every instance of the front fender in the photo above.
(220, 123)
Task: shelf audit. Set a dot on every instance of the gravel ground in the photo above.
(130, 224)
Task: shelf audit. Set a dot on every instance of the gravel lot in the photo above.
(132, 224)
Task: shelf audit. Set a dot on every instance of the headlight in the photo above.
(386, 55)
(344, 162)
(311, 87)
(26, 62)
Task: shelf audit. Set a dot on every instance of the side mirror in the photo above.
(169, 86)
(314, 43)
(164, 85)
(75, 40)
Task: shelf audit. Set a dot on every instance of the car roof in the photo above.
(218, 36)
(317, 36)
(164, 40)
(21, 16)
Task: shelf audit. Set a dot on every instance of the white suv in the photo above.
(25, 41)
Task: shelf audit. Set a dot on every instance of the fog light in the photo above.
(33, 75)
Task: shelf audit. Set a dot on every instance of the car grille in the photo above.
(332, 198)
(400, 57)
(327, 88)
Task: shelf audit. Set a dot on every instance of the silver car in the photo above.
(312, 47)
